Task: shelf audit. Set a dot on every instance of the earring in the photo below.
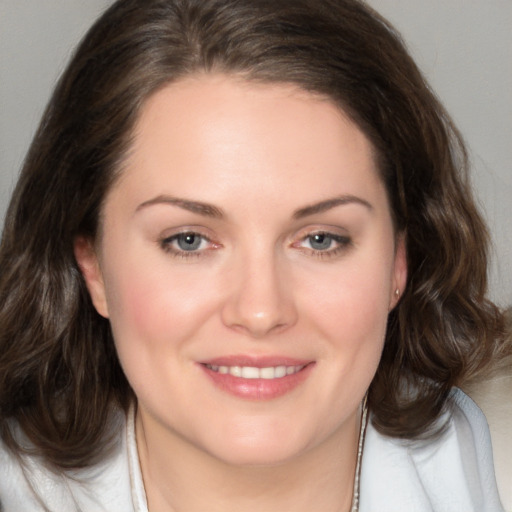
(397, 293)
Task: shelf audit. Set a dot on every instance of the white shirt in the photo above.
(453, 473)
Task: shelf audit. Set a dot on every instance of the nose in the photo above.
(260, 301)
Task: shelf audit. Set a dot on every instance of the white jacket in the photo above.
(453, 473)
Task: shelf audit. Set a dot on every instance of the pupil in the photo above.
(320, 242)
(189, 242)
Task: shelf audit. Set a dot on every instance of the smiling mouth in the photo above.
(254, 379)
(252, 372)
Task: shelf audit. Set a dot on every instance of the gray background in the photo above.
(463, 46)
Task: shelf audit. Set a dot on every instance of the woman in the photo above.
(242, 269)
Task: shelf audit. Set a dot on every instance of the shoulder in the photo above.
(27, 484)
(15, 485)
(493, 395)
(451, 473)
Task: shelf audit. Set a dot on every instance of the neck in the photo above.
(179, 477)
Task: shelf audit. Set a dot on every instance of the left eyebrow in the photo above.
(205, 209)
(328, 204)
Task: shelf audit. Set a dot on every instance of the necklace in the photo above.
(136, 476)
(360, 446)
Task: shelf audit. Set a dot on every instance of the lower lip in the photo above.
(258, 389)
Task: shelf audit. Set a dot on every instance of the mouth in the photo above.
(259, 378)
(253, 372)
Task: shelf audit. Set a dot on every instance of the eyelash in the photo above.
(167, 245)
(343, 243)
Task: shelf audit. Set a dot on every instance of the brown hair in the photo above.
(59, 374)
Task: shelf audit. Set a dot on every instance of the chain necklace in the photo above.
(362, 432)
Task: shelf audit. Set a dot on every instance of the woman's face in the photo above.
(247, 264)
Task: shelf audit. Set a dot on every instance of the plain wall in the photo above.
(463, 46)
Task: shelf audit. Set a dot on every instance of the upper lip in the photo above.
(255, 361)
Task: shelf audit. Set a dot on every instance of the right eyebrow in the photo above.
(328, 204)
(205, 209)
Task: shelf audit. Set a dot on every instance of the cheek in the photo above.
(151, 306)
(350, 307)
(354, 300)
(154, 315)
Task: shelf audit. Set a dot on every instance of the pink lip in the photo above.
(255, 361)
(256, 389)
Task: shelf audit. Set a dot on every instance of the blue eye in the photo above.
(184, 244)
(320, 241)
(324, 244)
(188, 241)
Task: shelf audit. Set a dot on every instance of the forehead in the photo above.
(207, 132)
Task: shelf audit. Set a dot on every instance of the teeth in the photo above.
(251, 372)
(280, 371)
(236, 371)
(268, 373)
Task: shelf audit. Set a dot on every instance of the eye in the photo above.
(186, 244)
(188, 241)
(320, 241)
(324, 244)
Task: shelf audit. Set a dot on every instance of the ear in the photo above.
(87, 259)
(399, 271)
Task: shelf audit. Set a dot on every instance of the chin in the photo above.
(254, 451)
(257, 457)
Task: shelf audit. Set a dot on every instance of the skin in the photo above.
(258, 284)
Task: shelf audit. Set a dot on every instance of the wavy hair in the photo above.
(59, 374)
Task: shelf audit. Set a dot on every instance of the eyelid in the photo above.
(340, 239)
(165, 241)
(321, 229)
(343, 240)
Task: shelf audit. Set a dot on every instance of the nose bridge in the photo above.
(261, 300)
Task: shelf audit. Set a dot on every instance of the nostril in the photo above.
(259, 302)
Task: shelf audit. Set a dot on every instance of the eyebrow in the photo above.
(328, 204)
(205, 209)
(209, 210)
